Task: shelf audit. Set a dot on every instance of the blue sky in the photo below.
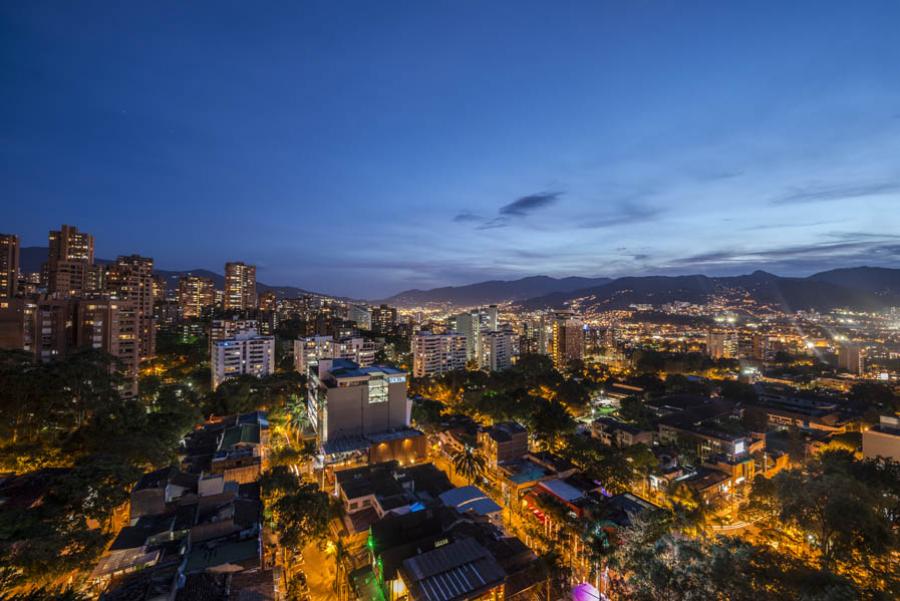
(362, 148)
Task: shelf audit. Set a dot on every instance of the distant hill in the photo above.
(31, 258)
(494, 291)
(849, 288)
(877, 280)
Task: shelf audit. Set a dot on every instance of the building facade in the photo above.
(348, 401)
(246, 353)
(69, 262)
(240, 286)
(435, 354)
(9, 265)
(195, 294)
(131, 278)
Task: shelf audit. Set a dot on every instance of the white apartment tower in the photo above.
(246, 353)
(434, 354)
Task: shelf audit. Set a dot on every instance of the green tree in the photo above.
(469, 463)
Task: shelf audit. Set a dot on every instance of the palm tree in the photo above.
(468, 463)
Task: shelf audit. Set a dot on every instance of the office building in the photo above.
(69, 261)
(131, 278)
(851, 359)
(497, 349)
(9, 265)
(435, 354)
(384, 319)
(195, 295)
(347, 401)
(568, 339)
(246, 353)
(240, 286)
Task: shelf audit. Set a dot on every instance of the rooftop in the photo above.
(454, 571)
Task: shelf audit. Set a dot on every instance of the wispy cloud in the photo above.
(528, 204)
(466, 217)
(819, 192)
(517, 209)
(799, 258)
(624, 213)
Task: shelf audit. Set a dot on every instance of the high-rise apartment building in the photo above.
(131, 278)
(240, 286)
(469, 325)
(222, 329)
(568, 339)
(308, 351)
(722, 344)
(434, 354)
(245, 353)
(113, 326)
(268, 301)
(497, 348)
(51, 328)
(384, 318)
(195, 294)
(850, 358)
(9, 265)
(69, 261)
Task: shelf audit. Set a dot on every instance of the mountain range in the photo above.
(494, 291)
(867, 288)
(864, 288)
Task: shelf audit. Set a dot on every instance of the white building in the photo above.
(308, 351)
(245, 353)
(435, 354)
(497, 349)
(223, 329)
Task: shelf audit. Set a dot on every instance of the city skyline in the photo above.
(363, 151)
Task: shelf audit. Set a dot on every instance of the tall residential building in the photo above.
(568, 339)
(490, 319)
(51, 328)
(112, 325)
(195, 294)
(9, 265)
(850, 358)
(384, 318)
(268, 301)
(246, 353)
(469, 325)
(722, 345)
(347, 401)
(497, 349)
(222, 329)
(240, 286)
(69, 261)
(308, 351)
(131, 278)
(434, 354)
